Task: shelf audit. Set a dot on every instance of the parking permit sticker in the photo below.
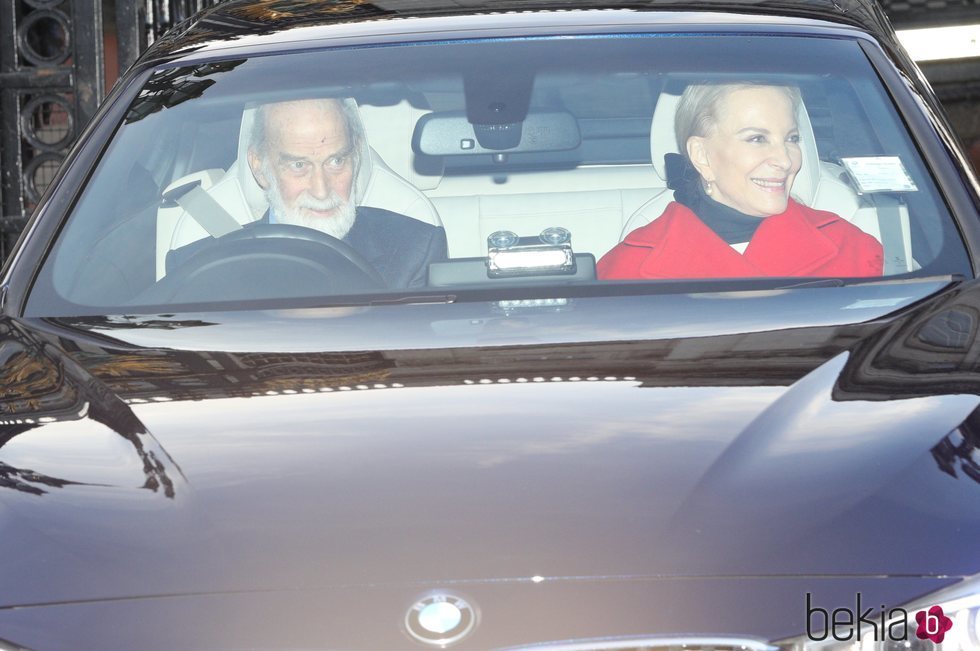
(879, 174)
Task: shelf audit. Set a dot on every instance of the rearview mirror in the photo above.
(451, 134)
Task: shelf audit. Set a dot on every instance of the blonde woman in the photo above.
(733, 215)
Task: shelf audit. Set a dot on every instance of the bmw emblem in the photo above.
(440, 619)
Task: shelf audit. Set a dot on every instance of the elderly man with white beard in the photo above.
(305, 156)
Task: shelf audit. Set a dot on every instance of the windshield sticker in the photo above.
(879, 174)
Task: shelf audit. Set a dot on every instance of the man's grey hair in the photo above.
(700, 104)
(259, 138)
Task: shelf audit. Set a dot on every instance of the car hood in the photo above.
(562, 446)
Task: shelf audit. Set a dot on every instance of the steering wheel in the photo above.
(266, 261)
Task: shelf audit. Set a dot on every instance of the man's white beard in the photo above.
(337, 225)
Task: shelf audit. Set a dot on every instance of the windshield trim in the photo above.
(475, 294)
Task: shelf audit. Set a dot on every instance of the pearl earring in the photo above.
(708, 189)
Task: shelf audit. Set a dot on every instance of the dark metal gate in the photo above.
(51, 81)
(54, 57)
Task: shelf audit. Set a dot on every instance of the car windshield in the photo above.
(498, 167)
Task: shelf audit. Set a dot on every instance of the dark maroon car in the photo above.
(437, 424)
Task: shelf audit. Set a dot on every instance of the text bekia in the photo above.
(844, 624)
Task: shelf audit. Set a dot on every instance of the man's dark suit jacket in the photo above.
(399, 247)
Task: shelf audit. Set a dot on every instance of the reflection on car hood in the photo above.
(668, 464)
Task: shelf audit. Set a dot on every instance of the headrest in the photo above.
(390, 129)
(253, 194)
(663, 141)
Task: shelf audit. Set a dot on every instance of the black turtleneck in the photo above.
(729, 224)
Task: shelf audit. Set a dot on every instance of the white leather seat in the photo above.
(236, 190)
(817, 185)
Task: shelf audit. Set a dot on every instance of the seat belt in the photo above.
(888, 210)
(202, 207)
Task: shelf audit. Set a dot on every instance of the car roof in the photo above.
(267, 23)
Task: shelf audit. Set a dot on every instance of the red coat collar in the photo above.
(687, 246)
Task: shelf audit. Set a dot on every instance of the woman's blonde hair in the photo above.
(697, 112)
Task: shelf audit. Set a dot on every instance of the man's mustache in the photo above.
(311, 203)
